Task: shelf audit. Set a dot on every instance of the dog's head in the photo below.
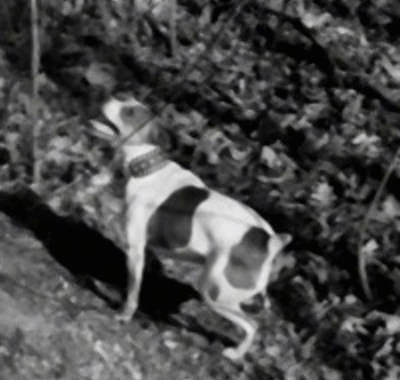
(124, 118)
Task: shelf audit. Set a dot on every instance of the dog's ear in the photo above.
(285, 239)
(277, 242)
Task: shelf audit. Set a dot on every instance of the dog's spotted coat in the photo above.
(170, 210)
(171, 224)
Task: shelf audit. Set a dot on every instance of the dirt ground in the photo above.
(53, 328)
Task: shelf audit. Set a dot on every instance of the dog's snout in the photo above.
(103, 128)
(123, 96)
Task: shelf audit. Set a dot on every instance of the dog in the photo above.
(170, 210)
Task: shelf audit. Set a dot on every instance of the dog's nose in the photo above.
(95, 101)
(123, 96)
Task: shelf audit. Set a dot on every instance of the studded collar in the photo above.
(147, 163)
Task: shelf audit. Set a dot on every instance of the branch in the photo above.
(35, 62)
(172, 27)
(321, 56)
(362, 260)
(362, 84)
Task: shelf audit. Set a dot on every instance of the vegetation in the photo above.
(288, 105)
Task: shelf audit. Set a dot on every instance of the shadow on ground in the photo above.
(88, 255)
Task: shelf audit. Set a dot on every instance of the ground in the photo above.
(53, 328)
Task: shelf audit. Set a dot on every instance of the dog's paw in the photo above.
(125, 316)
(267, 304)
(233, 354)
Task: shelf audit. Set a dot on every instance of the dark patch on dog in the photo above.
(246, 259)
(253, 305)
(213, 292)
(171, 224)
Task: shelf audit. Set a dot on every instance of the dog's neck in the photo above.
(143, 160)
(141, 142)
(134, 151)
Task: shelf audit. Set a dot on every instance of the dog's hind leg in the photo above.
(226, 304)
(248, 325)
(234, 314)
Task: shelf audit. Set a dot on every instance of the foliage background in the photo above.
(290, 106)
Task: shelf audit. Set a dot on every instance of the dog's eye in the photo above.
(128, 113)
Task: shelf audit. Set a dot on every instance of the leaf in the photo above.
(60, 143)
(393, 325)
(385, 350)
(169, 340)
(393, 373)
(330, 373)
(99, 180)
(314, 110)
(205, 16)
(212, 143)
(314, 21)
(270, 158)
(368, 145)
(323, 195)
(102, 75)
(391, 207)
(56, 157)
(13, 140)
(189, 127)
(365, 140)
(392, 70)
(240, 152)
(69, 8)
(309, 19)
(352, 112)
(160, 9)
(284, 262)
(353, 324)
(369, 249)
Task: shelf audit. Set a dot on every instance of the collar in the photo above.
(147, 163)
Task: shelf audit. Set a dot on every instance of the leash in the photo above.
(190, 66)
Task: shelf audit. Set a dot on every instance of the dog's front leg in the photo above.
(135, 265)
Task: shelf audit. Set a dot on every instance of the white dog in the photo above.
(170, 210)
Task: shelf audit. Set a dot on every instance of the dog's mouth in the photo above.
(104, 128)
